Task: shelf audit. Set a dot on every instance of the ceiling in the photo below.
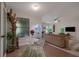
(52, 9)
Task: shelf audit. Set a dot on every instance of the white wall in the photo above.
(33, 19)
(67, 20)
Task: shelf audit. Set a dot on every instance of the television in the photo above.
(69, 29)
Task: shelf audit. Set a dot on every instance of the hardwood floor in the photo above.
(52, 51)
(17, 52)
(49, 51)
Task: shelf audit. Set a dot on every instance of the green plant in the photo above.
(61, 33)
(10, 40)
(9, 35)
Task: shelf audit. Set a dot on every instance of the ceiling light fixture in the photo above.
(56, 21)
(35, 6)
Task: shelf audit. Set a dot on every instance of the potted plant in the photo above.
(10, 42)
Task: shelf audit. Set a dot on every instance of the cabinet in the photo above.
(57, 40)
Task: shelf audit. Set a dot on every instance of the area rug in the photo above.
(33, 51)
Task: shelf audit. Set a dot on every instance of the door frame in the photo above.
(2, 27)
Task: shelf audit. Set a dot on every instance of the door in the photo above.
(3, 29)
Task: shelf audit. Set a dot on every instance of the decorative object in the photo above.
(62, 31)
(32, 32)
(53, 27)
(11, 36)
